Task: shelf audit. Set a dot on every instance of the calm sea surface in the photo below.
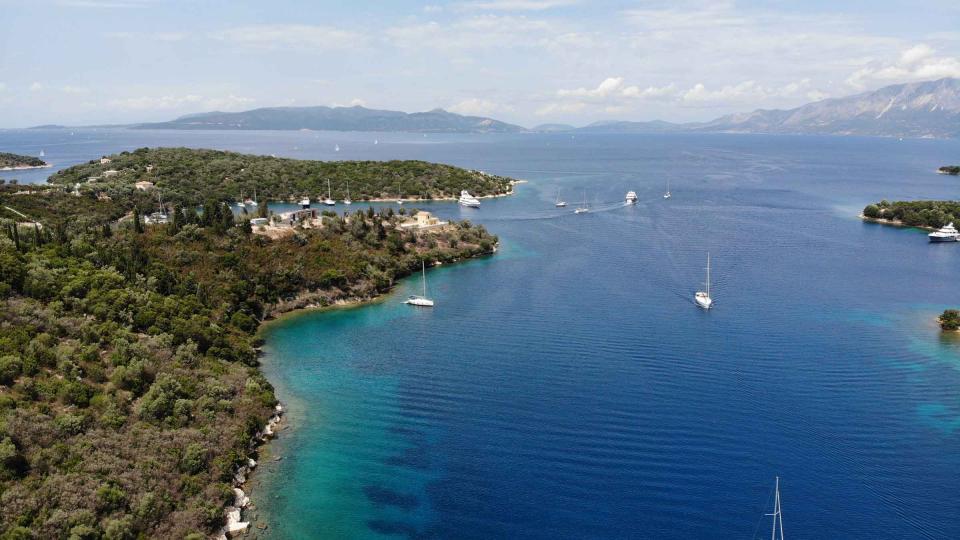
(569, 388)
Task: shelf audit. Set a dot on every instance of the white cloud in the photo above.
(561, 108)
(650, 92)
(355, 102)
(3, 87)
(36, 87)
(474, 33)
(69, 89)
(749, 92)
(917, 63)
(609, 86)
(517, 5)
(274, 36)
(478, 107)
(104, 4)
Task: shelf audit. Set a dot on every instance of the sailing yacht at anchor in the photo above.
(422, 301)
(583, 208)
(777, 516)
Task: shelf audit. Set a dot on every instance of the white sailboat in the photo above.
(42, 153)
(328, 201)
(703, 297)
(254, 201)
(422, 301)
(241, 204)
(399, 196)
(667, 194)
(777, 516)
(347, 200)
(336, 148)
(559, 203)
(583, 208)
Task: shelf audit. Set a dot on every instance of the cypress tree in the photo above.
(137, 224)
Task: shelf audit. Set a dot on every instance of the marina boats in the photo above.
(667, 194)
(416, 300)
(583, 208)
(947, 233)
(559, 203)
(703, 297)
(468, 200)
(631, 197)
(328, 201)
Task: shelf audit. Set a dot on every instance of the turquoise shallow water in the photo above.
(568, 387)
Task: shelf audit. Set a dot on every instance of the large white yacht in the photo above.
(305, 202)
(703, 297)
(947, 233)
(631, 197)
(468, 200)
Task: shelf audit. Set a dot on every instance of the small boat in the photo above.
(376, 141)
(468, 200)
(559, 203)
(253, 202)
(947, 233)
(347, 200)
(703, 297)
(42, 153)
(667, 194)
(583, 208)
(305, 202)
(422, 301)
(631, 197)
(336, 148)
(399, 195)
(777, 516)
(328, 201)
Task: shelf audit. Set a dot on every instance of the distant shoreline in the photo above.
(25, 167)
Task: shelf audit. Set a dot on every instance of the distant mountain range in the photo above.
(339, 119)
(924, 109)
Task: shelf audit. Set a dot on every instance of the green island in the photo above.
(130, 394)
(949, 320)
(928, 214)
(10, 161)
(952, 170)
(188, 176)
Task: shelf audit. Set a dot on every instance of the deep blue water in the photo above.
(568, 387)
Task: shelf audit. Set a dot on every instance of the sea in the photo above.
(569, 387)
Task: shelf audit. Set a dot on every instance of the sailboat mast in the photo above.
(423, 271)
(708, 273)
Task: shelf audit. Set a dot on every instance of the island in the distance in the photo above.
(16, 162)
(949, 320)
(131, 403)
(952, 170)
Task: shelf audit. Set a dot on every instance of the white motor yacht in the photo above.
(468, 200)
(947, 233)
(631, 197)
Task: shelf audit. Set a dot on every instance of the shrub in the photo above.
(950, 320)
(110, 498)
(10, 368)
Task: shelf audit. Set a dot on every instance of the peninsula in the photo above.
(185, 175)
(952, 170)
(16, 162)
(131, 403)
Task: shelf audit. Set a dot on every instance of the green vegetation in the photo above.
(15, 160)
(129, 388)
(950, 169)
(188, 176)
(933, 214)
(950, 320)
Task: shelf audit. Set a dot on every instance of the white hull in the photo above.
(703, 301)
(417, 301)
(561, 205)
(468, 200)
(581, 211)
(935, 238)
(330, 202)
(666, 195)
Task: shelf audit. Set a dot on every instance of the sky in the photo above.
(529, 62)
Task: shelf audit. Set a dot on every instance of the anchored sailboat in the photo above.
(560, 204)
(583, 208)
(328, 201)
(421, 301)
(703, 297)
(399, 196)
(667, 194)
(347, 200)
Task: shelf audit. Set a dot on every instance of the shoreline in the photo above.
(893, 223)
(435, 199)
(25, 167)
(276, 313)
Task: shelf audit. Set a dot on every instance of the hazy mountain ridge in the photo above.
(923, 109)
(337, 119)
